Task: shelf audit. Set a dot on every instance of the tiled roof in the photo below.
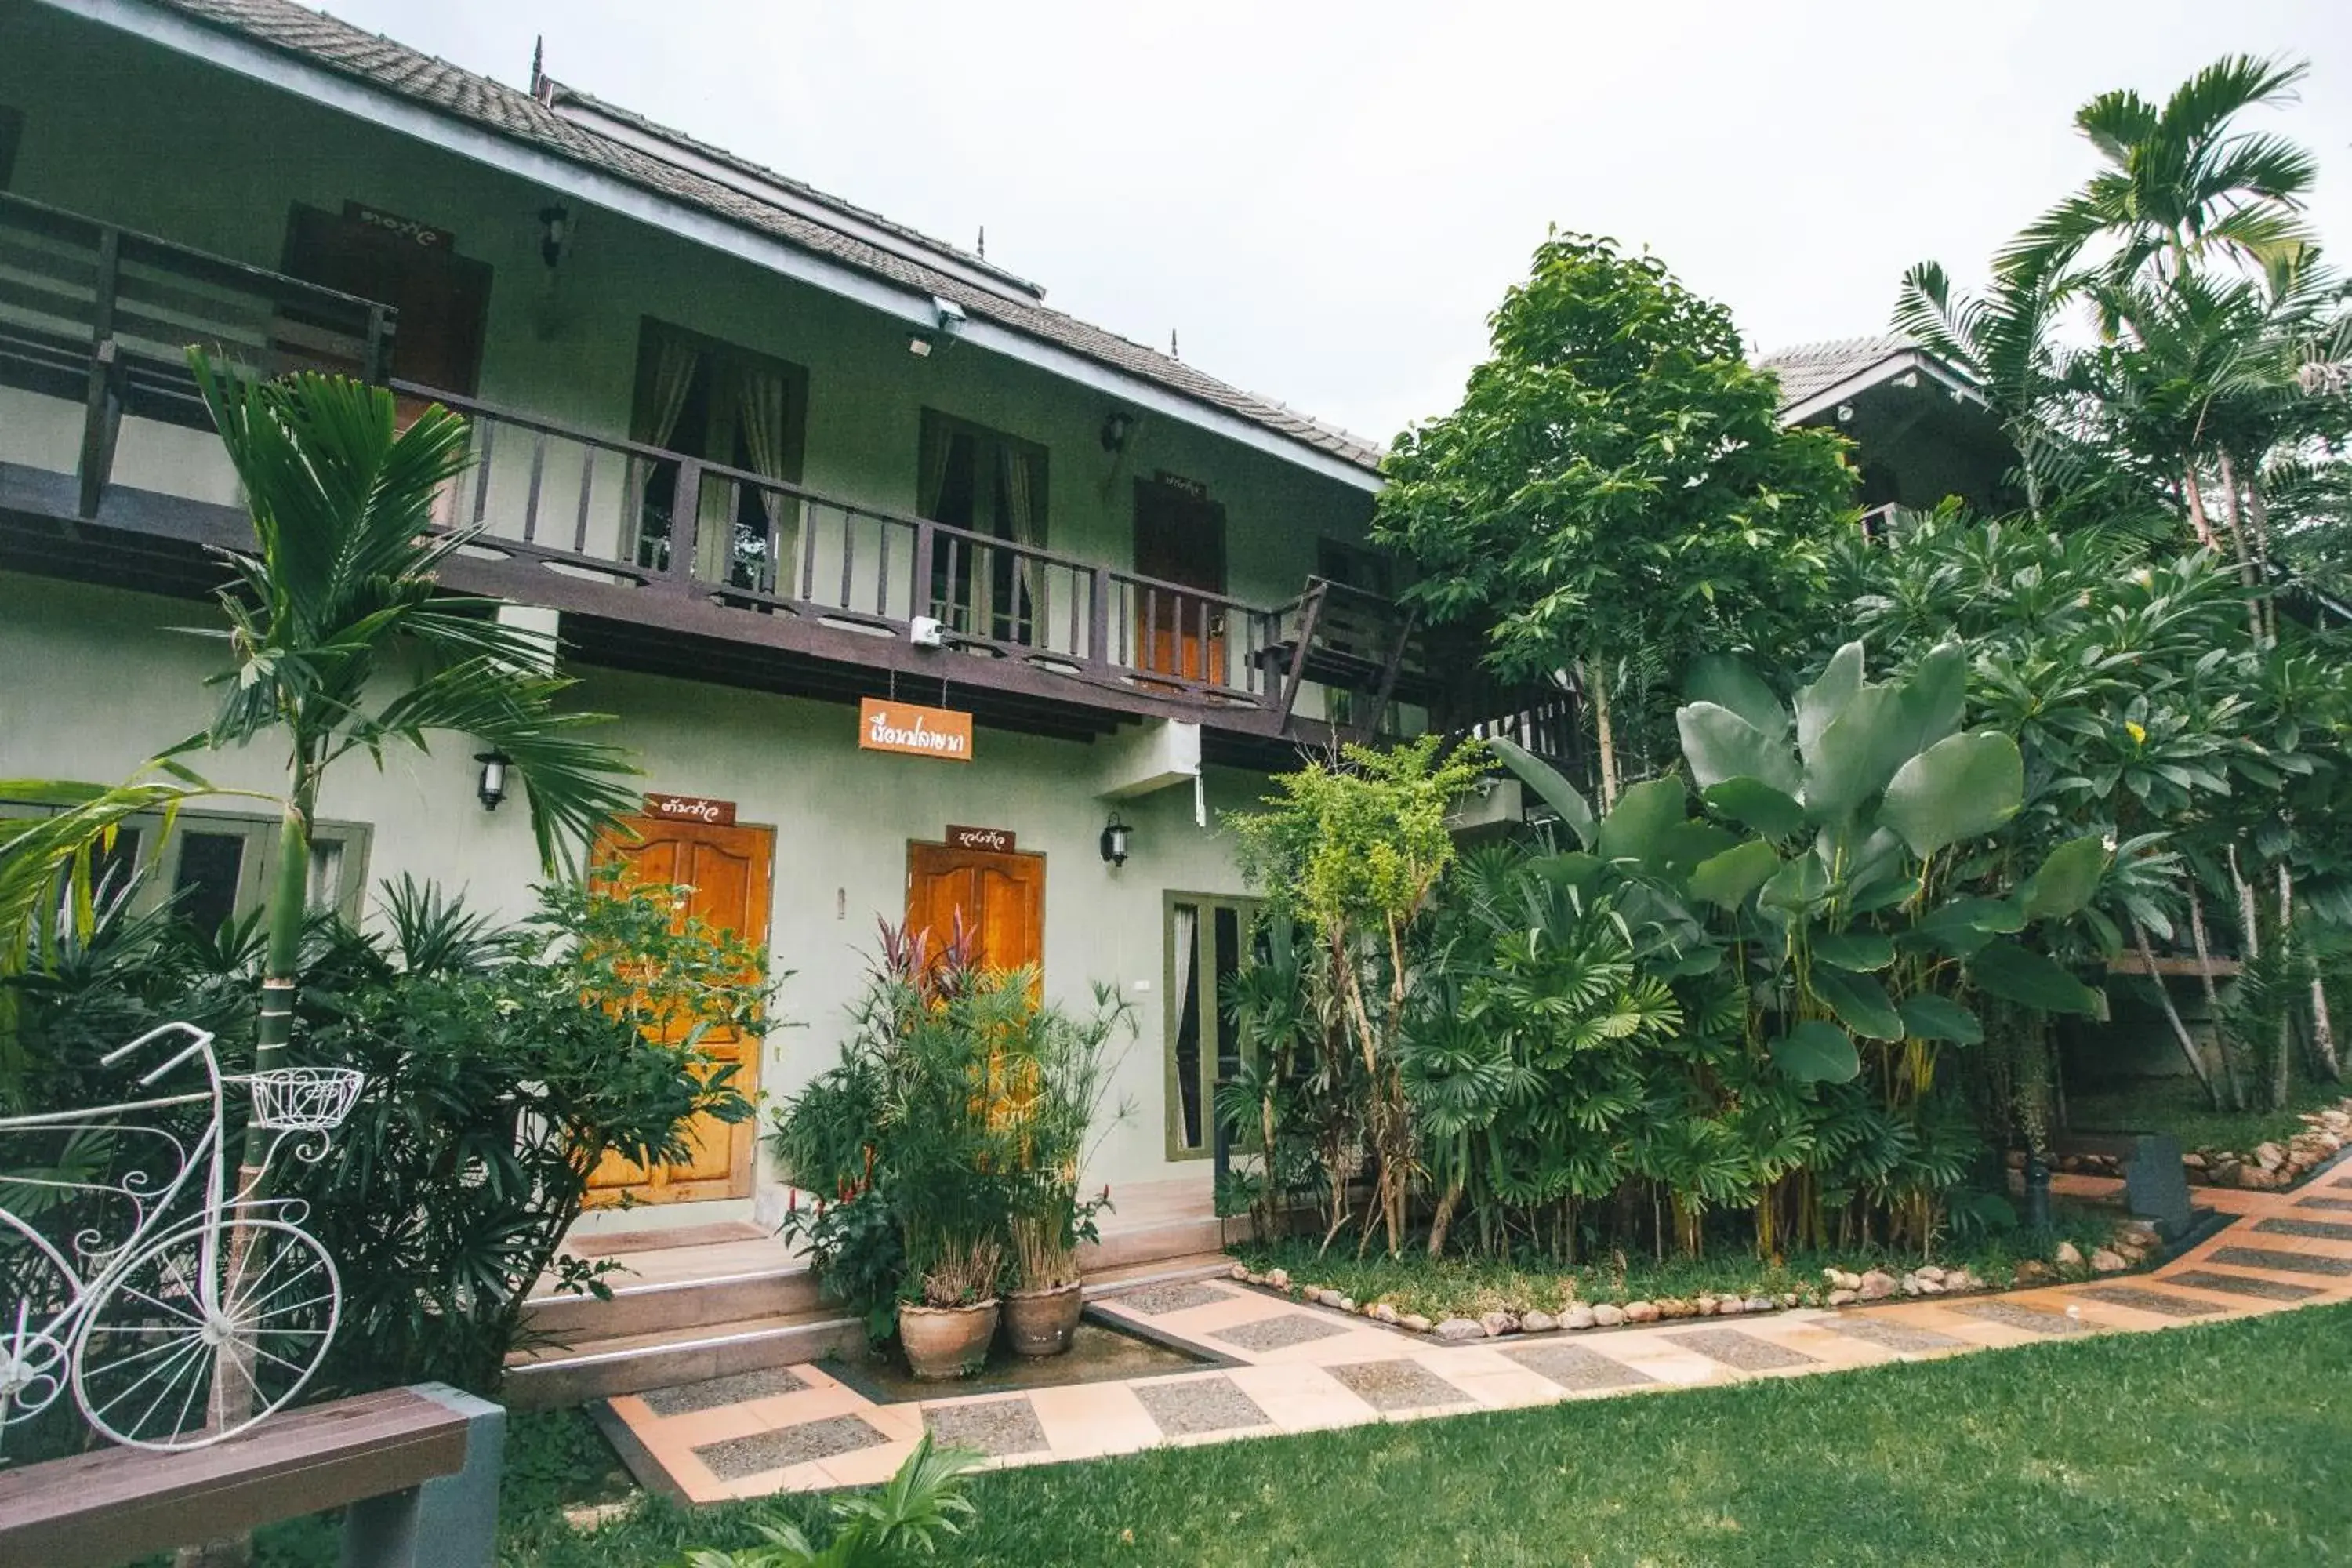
(1808, 370)
(337, 45)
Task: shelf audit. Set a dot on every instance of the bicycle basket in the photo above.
(304, 1099)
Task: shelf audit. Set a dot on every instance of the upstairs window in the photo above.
(992, 484)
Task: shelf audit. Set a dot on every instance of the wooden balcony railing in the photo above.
(102, 315)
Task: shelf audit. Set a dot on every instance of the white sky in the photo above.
(1327, 199)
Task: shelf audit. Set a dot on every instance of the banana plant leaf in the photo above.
(1721, 744)
(1729, 683)
(1752, 803)
(2067, 881)
(2004, 969)
(1961, 787)
(1554, 790)
(1860, 951)
(1860, 1001)
(1933, 1017)
(1728, 878)
(1645, 814)
(1816, 1052)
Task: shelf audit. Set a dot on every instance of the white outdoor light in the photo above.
(491, 787)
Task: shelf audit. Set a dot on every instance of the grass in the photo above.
(2176, 1105)
(2218, 1444)
(1466, 1286)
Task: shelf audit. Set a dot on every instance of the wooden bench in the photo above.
(416, 1468)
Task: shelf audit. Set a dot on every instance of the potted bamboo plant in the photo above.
(1061, 1073)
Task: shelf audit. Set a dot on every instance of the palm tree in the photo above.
(2182, 181)
(342, 641)
(2003, 341)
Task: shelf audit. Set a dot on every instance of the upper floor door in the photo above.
(443, 298)
(1179, 538)
(702, 397)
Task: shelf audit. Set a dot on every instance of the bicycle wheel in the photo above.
(155, 1368)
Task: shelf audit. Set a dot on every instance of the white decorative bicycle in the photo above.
(188, 1330)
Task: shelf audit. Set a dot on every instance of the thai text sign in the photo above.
(939, 733)
(1000, 840)
(691, 808)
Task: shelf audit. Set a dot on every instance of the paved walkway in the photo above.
(1285, 1367)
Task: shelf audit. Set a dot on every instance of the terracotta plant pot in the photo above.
(945, 1342)
(1040, 1322)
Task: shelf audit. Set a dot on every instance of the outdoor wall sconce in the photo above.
(554, 229)
(1117, 426)
(1114, 842)
(491, 787)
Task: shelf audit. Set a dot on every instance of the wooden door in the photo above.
(443, 300)
(1179, 538)
(1002, 897)
(729, 869)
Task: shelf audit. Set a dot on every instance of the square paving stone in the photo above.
(1154, 1300)
(1746, 1351)
(2340, 1203)
(1577, 1366)
(994, 1426)
(1274, 1333)
(1388, 1385)
(1205, 1404)
(2033, 1319)
(2317, 1229)
(2240, 1285)
(1891, 1334)
(711, 1394)
(2285, 1262)
(2157, 1301)
(738, 1457)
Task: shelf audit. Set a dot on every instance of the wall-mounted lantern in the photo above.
(1114, 842)
(1117, 426)
(491, 786)
(554, 232)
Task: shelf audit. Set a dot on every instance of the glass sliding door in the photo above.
(1204, 941)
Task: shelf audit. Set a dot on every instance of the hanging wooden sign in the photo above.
(1001, 840)
(941, 733)
(691, 808)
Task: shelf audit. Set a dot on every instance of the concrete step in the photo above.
(676, 1305)
(663, 1358)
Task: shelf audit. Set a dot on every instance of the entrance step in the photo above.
(631, 1364)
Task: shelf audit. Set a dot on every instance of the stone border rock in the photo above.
(2267, 1167)
(2133, 1244)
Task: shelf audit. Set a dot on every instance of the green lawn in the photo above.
(2224, 1443)
(2176, 1105)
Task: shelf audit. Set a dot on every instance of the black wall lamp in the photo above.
(554, 231)
(491, 787)
(1117, 426)
(1114, 841)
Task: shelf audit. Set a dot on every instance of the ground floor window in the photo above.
(215, 867)
(1205, 944)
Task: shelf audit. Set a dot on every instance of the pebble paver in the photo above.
(736, 1389)
(800, 1428)
(2316, 1229)
(2017, 1315)
(1748, 1352)
(2163, 1304)
(1891, 1334)
(1391, 1385)
(1155, 1300)
(1200, 1405)
(996, 1426)
(1279, 1332)
(739, 1456)
(2290, 1262)
(1576, 1367)
(2243, 1285)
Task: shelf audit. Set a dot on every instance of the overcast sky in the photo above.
(1325, 200)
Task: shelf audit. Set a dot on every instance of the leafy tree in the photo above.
(1615, 488)
(1353, 851)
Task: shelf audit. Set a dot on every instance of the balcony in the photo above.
(659, 561)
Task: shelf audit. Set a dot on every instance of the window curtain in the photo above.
(762, 397)
(1183, 934)
(931, 490)
(674, 362)
(1022, 523)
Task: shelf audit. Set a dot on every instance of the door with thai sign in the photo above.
(1001, 896)
(1180, 538)
(728, 868)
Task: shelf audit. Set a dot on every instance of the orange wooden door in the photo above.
(1002, 897)
(1179, 538)
(729, 869)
